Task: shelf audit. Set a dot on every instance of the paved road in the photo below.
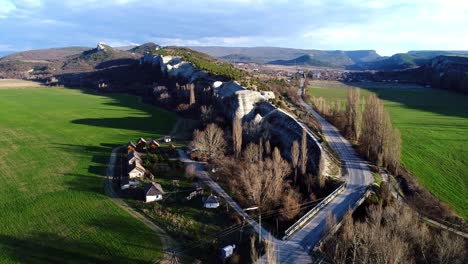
(358, 177)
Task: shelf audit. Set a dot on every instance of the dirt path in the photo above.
(169, 244)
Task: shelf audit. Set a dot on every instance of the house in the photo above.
(167, 139)
(141, 144)
(153, 146)
(133, 157)
(211, 201)
(153, 192)
(131, 147)
(136, 170)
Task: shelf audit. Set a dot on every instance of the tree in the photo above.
(209, 141)
(295, 158)
(237, 136)
(373, 130)
(353, 116)
(290, 205)
(304, 152)
(190, 171)
(192, 93)
(262, 182)
(392, 151)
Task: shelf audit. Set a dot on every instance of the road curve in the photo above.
(357, 176)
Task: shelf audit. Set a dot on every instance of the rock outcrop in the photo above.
(234, 100)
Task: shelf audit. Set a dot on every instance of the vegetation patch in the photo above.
(433, 126)
(55, 146)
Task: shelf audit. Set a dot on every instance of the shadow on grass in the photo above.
(94, 181)
(443, 102)
(151, 119)
(50, 248)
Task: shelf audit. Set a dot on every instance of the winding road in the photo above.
(357, 176)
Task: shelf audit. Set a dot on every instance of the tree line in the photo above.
(366, 122)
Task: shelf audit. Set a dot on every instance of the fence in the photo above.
(298, 224)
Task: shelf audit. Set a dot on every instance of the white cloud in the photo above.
(6, 8)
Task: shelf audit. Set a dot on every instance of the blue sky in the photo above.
(386, 26)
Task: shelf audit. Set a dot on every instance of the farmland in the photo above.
(55, 146)
(434, 128)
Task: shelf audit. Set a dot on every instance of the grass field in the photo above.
(55, 144)
(434, 128)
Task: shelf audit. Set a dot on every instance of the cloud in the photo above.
(388, 26)
(6, 8)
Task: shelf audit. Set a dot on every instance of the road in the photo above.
(358, 177)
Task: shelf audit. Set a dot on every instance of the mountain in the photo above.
(335, 58)
(147, 47)
(400, 61)
(40, 64)
(103, 56)
(304, 60)
(44, 54)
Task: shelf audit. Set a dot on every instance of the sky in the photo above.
(386, 26)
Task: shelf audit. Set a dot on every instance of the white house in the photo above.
(136, 170)
(167, 139)
(211, 201)
(153, 192)
(227, 251)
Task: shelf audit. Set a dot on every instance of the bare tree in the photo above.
(237, 136)
(190, 171)
(304, 156)
(449, 248)
(392, 151)
(209, 141)
(267, 147)
(330, 224)
(290, 205)
(262, 182)
(295, 158)
(252, 153)
(353, 116)
(271, 251)
(192, 93)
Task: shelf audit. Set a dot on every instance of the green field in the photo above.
(55, 144)
(434, 128)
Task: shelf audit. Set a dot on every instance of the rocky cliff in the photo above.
(233, 100)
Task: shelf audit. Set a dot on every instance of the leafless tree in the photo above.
(252, 153)
(449, 248)
(237, 136)
(271, 251)
(330, 224)
(304, 156)
(353, 116)
(295, 158)
(267, 147)
(192, 93)
(290, 205)
(209, 141)
(190, 171)
(207, 114)
(392, 151)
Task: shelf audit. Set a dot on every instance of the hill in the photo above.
(42, 64)
(103, 56)
(401, 61)
(147, 47)
(44, 54)
(336, 58)
(305, 60)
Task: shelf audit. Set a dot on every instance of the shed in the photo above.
(136, 170)
(211, 201)
(227, 251)
(153, 192)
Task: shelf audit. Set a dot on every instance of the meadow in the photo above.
(434, 128)
(55, 144)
